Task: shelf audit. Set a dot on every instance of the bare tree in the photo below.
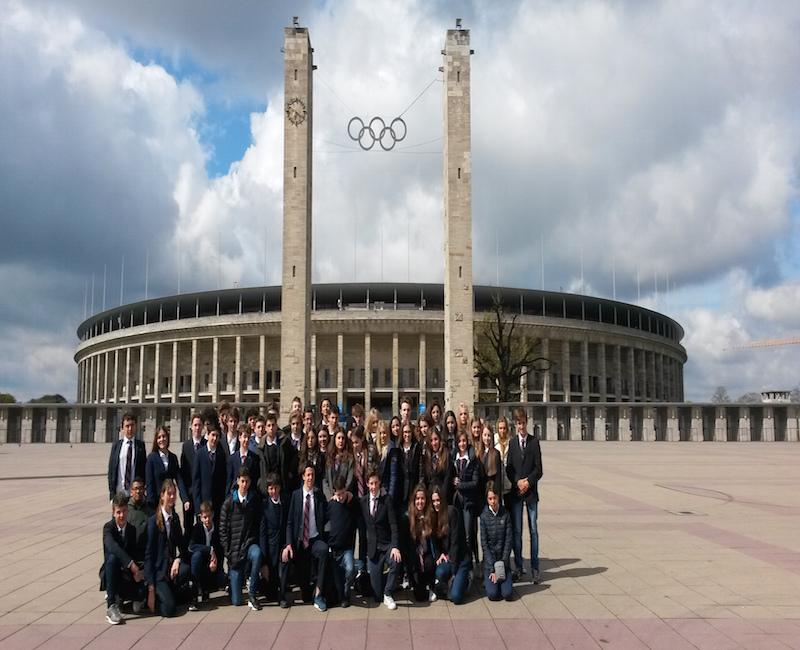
(720, 395)
(501, 354)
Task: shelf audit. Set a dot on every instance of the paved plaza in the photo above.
(643, 545)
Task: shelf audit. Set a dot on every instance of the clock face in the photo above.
(296, 111)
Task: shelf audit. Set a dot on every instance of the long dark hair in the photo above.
(165, 429)
(419, 524)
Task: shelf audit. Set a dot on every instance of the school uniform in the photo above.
(209, 479)
(458, 563)
(125, 463)
(252, 461)
(164, 546)
(389, 471)
(138, 514)
(201, 543)
(496, 536)
(525, 461)
(272, 539)
(239, 527)
(159, 467)
(189, 449)
(120, 550)
(309, 544)
(437, 471)
(382, 536)
(468, 497)
(341, 540)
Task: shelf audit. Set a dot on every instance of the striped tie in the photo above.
(306, 516)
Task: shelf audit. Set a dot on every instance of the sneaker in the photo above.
(193, 605)
(537, 576)
(389, 602)
(138, 606)
(320, 604)
(113, 615)
(252, 603)
(432, 597)
(404, 584)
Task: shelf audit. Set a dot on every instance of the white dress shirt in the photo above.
(312, 520)
(123, 460)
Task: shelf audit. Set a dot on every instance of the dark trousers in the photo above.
(169, 592)
(423, 576)
(203, 578)
(498, 590)
(120, 583)
(305, 561)
(375, 567)
(278, 578)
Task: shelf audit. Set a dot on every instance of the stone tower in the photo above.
(296, 287)
(458, 301)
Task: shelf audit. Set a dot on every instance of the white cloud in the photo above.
(778, 305)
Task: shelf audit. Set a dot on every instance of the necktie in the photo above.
(435, 460)
(129, 467)
(196, 446)
(463, 467)
(211, 458)
(522, 441)
(373, 507)
(359, 475)
(306, 517)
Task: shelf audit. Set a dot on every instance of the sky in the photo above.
(649, 149)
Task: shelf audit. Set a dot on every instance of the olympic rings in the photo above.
(377, 131)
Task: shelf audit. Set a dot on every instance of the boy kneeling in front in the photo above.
(205, 551)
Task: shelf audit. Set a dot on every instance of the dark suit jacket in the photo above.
(122, 546)
(382, 528)
(139, 456)
(162, 549)
(272, 537)
(155, 474)
(197, 542)
(252, 462)
(527, 465)
(187, 459)
(210, 483)
(294, 522)
(409, 472)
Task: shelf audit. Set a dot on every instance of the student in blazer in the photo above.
(120, 475)
(380, 517)
(161, 465)
(210, 474)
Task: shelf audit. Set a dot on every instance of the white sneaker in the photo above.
(432, 597)
(389, 602)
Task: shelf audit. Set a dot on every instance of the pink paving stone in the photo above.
(30, 636)
(735, 627)
(436, 634)
(523, 634)
(344, 635)
(612, 633)
(477, 634)
(119, 637)
(567, 633)
(788, 627)
(296, 635)
(388, 634)
(657, 635)
(789, 640)
(164, 636)
(701, 634)
(208, 636)
(74, 636)
(8, 630)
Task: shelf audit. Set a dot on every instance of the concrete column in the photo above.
(340, 371)
(395, 363)
(51, 425)
(175, 423)
(720, 425)
(617, 373)
(26, 435)
(768, 424)
(150, 424)
(237, 371)
(141, 374)
(673, 427)
(696, 434)
(75, 426)
(262, 369)
(551, 424)
(127, 382)
(422, 370)
(575, 423)
(98, 358)
(744, 424)
(116, 376)
(174, 372)
(624, 425)
(792, 433)
(194, 371)
(367, 372)
(457, 185)
(648, 425)
(91, 379)
(546, 378)
(661, 393)
(565, 369)
(105, 379)
(313, 378)
(215, 370)
(601, 372)
(157, 374)
(650, 358)
(631, 374)
(585, 382)
(100, 425)
(599, 423)
(4, 420)
(297, 222)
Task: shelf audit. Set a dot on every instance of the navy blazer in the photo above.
(252, 462)
(468, 495)
(197, 542)
(162, 549)
(139, 456)
(187, 459)
(124, 547)
(155, 475)
(294, 522)
(272, 537)
(528, 465)
(210, 483)
(382, 528)
(388, 470)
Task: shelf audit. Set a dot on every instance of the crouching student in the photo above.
(274, 515)
(496, 538)
(239, 527)
(165, 566)
(206, 554)
(305, 539)
(120, 575)
(341, 538)
(453, 562)
(382, 551)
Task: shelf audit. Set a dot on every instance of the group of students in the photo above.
(251, 502)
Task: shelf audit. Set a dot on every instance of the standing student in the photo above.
(423, 560)
(138, 514)
(166, 565)
(490, 459)
(341, 539)
(437, 466)
(524, 469)
(207, 555)
(371, 425)
(305, 539)
(496, 534)
(382, 541)
(127, 458)
(339, 462)
(387, 461)
(467, 480)
(310, 454)
(410, 456)
(270, 451)
(231, 427)
(395, 429)
(243, 457)
(120, 575)
(161, 465)
(274, 516)
(239, 532)
(289, 453)
(405, 410)
(502, 444)
(296, 408)
(450, 430)
(475, 429)
(210, 474)
(453, 563)
(424, 427)
(463, 418)
(436, 416)
(189, 450)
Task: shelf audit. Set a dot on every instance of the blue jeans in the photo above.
(497, 590)
(375, 569)
(237, 572)
(458, 588)
(516, 522)
(343, 572)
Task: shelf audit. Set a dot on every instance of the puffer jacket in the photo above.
(495, 538)
(239, 523)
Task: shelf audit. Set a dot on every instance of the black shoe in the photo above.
(193, 605)
(204, 597)
(252, 603)
(345, 603)
(284, 603)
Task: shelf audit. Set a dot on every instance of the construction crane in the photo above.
(767, 343)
